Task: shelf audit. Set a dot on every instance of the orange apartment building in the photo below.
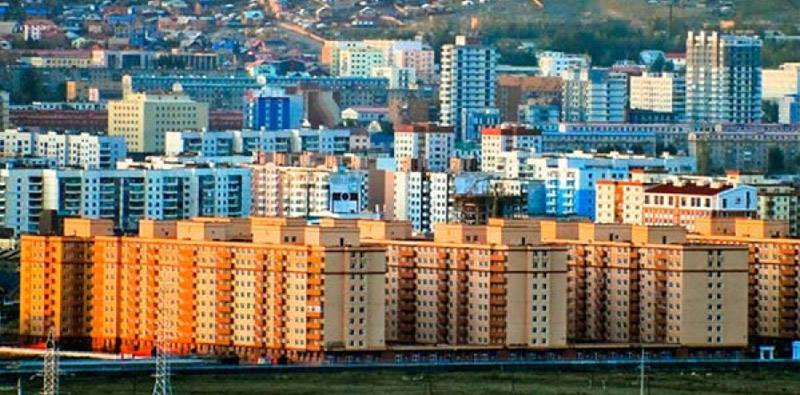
(773, 267)
(251, 287)
(649, 285)
(491, 286)
(278, 287)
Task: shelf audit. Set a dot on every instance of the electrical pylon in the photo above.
(163, 383)
(50, 366)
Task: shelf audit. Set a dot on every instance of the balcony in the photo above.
(497, 279)
(408, 275)
(497, 258)
(407, 253)
(497, 267)
(788, 282)
(442, 255)
(788, 272)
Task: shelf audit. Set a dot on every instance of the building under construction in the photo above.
(478, 197)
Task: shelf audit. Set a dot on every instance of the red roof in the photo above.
(688, 189)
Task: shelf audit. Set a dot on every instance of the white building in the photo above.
(723, 78)
(359, 58)
(554, 64)
(83, 150)
(468, 79)
(780, 82)
(660, 93)
(594, 95)
(247, 142)
(421, 198)
(123, 195)
(431, 145)
(290, 191)
(506, 138)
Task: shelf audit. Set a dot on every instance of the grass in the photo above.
(484, 382)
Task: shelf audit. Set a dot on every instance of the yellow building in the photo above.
(638, 284)
(490, 286)
(773, 267)
(144, 118)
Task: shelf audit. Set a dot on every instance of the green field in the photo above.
(484, 382)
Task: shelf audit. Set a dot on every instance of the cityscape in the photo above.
(399, 196)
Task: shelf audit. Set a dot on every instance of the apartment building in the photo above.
(488, 286)
(649, 285)
(554, 64)
(780, 82)
(123, 196)
(248, 142)
(468, 78)
(430, 145)
(661, 93)
(516, 90)
(684, 203)
(143, 119)
(220, 90)
(744, 147)
(359, 58)
(772, 266)
(421, 197)
(84, 150)
(506, 138)
(248, 287)
(723, 78)
(310, 192)
(571, 180)
(399, 77)
(273, 109)
(594, 95)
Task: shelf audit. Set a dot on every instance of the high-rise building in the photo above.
(143, 119)
(359, 58)
(82, 150)
(273, 109)
(595, 96)
(723, 78)
(4, 103)
(663, 93)
(468, 81)
(777, 83)
(430, 145)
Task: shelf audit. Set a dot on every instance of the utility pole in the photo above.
(50, 366)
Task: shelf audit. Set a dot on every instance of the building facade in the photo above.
(144, 119)
(468, 76)
(723, 78)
